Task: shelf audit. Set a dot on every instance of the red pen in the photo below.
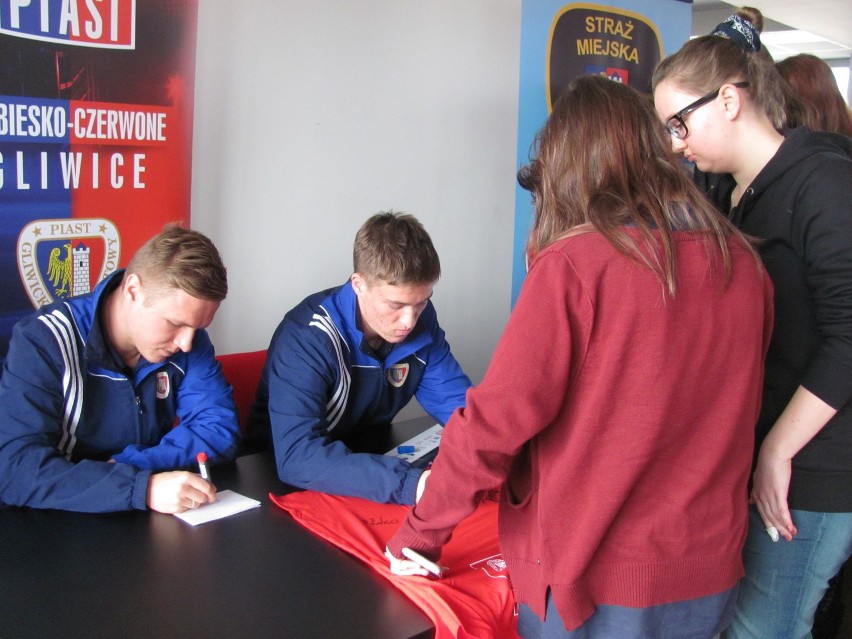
(202, 466)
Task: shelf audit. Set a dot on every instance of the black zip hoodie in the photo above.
(800, 208)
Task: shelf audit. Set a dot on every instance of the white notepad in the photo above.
(227, 503)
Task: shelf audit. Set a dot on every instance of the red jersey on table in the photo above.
(473, 600)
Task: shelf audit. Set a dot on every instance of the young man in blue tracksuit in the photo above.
(349, 358)
(104, 393)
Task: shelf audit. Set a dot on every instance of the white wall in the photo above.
(312, 116)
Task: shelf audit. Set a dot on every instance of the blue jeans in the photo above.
(700, 618)
(785, 581)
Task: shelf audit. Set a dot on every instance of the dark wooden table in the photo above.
(145, 574)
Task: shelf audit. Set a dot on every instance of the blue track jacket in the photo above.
(322, 382)
(66, 408)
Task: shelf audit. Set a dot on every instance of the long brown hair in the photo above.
(603, 158)
(814, 100)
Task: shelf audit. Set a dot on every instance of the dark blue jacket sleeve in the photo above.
(444, 384)
(301, 377)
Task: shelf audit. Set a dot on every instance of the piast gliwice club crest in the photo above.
(61, 258)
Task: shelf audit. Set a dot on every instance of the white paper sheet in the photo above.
(423, 443)
(227, 503)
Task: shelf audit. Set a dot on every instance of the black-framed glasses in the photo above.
(676, 125)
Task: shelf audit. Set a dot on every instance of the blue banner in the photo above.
(559, 42)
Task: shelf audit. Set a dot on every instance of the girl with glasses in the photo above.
(791, 189)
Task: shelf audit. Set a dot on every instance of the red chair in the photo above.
(242, 370)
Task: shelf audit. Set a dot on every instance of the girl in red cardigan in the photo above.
(617, 414)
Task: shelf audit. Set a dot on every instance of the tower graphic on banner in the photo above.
(81, 269)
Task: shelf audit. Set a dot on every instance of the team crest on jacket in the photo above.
(163, 385)
(63, 257)
(493, 566)
(397, 374)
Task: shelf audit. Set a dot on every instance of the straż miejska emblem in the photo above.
(64, 257)
(397, 374)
